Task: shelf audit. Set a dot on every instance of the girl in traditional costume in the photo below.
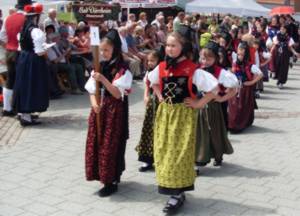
(145, 147)
(282, 46)
(105, 155)
(212, 136)
(178, 80)
(241, 107)
(272, 30)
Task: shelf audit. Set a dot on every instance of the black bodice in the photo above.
(26, 40)
(176, 89)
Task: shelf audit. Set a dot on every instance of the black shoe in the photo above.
(257, 95)
(25, 123)
(108, 190)
(146, 168)
(202, 164)
(8, 113)
(33, 117)
(217, 163)
(172, 209)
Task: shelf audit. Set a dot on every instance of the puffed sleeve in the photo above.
(204, 81)
(90, 85)
(291, 42)
(267, 55)
(3, 34)
(234, 57)
(255, 70)
(275, 40)
(39, 39)
(228, 79)
(269, 42)
(153, 76)
(146, 79)
(257, 61)
(124, 83)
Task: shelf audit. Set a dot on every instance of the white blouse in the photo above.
(123, 83)
(228, 79)
(291, 41)
(39, 40)
(256, 70)
(203, 80)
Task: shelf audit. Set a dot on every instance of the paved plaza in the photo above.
(42, 168)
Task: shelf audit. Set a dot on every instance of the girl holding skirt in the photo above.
(241, 107)
(212, 137)
(105, 155)
(145, 146)
(178, 80)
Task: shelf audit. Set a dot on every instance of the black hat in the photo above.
(21, 3)
(226, 36)
(113, 36)
(186, 32)
(213, 46)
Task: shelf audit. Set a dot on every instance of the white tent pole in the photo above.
(128, 12)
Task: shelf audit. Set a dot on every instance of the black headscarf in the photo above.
(186, 32)
(117, 60)
(244, 45)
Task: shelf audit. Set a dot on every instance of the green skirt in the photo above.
(174, 147)
(212, 136)
(145, 146)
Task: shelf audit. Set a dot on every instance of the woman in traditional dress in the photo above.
(241, 107)
(31, 85)
(145, 146)
(282, 46)
(175, 125)
(212, 136)
(105, 155)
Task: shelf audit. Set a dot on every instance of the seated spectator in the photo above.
(159, 20)
(49, 30)
(132, 45)
(58, 57)
(160, 33)
(178, 21)
(138, 36)
(131, 20)
(150, 37)
(143, 19)
(213, 28)
(83, 44)
(51, 19)
(134, 61)
(81, 41)
(170, 24)
(65, 43)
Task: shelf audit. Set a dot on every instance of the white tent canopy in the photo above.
(235, 7)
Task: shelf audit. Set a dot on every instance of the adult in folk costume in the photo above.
(31, 86)
(9, 39)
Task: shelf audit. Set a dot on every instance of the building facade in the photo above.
(275, 3)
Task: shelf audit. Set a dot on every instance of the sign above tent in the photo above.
(147, 3)
(96, 12)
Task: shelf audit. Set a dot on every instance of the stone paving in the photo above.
(42, 168)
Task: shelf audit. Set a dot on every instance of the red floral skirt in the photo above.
(105, 157)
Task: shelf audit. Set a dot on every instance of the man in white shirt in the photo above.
(134, 62)
(51, 19)
(58, 57)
